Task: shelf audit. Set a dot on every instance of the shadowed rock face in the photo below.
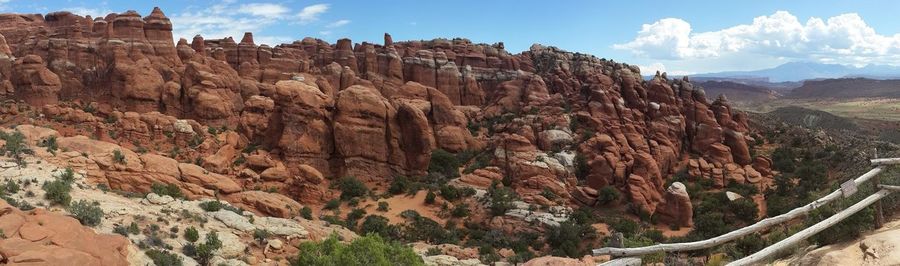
(377, 111)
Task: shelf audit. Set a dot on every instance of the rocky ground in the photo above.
(881, 247)
(45, 233)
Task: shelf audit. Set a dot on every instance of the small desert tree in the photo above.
(15, 146)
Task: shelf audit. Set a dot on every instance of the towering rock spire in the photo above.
(247, 50)
(248, 38)
(388, 41)
(198, 44)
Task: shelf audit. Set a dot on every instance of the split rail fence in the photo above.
(629, 256)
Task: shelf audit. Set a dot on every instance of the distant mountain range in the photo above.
(799, 71)
(845, 88)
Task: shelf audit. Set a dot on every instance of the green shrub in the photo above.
(68, 175)
(306, 213)
(195, 141)
(333, 219)
(848, 229)
(332, 204)
(450, 193)
(564, 239)
(583, 215)
(582, 169)
(368, 250)
(57, 192)
(206, 250)
(166, 189)
(709, 225)
(164, 258)
(351, 188)
(501, 199)
(191, 234)
(430, 197)
(410, 214)
(353, 217)
(376, 224)
(744, 209)
(15, 147)
(89, 108)
(783, 159)
(118, 229)
(548, 194)
(353, 202)
(640, 241)
(11, 187)
(240, 160)
(399, 185)
(383, 206)
(482, 160)
(424, 229)
(811, 177)
(443, 163)
(133, 229)
(118, 157)
(655, 235)
(49, 143)
(261, 235)
(211, 206)
(608, 194)
(748, 245)
(88, 213)
(625, 226)
(460, 210)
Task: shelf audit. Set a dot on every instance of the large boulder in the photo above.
(195, 174)
(38, 237)
(676, 209)
(270, 204)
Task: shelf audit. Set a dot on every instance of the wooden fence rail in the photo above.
(795, 239)
(758, 226)
(885, 161)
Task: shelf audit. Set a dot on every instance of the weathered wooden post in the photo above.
(879, 214)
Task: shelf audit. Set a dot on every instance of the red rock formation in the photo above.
(372, 111)
(34, 83)
(38, 237)
(677, 209)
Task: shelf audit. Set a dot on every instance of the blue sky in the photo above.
(680, 37)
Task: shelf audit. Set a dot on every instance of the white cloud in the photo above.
(267, 10)
(325, 32)
(93, 12)
(657, 66)
(271, 40)
(311, 13)
(844, 38)
(228, 20)
(337, 24)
